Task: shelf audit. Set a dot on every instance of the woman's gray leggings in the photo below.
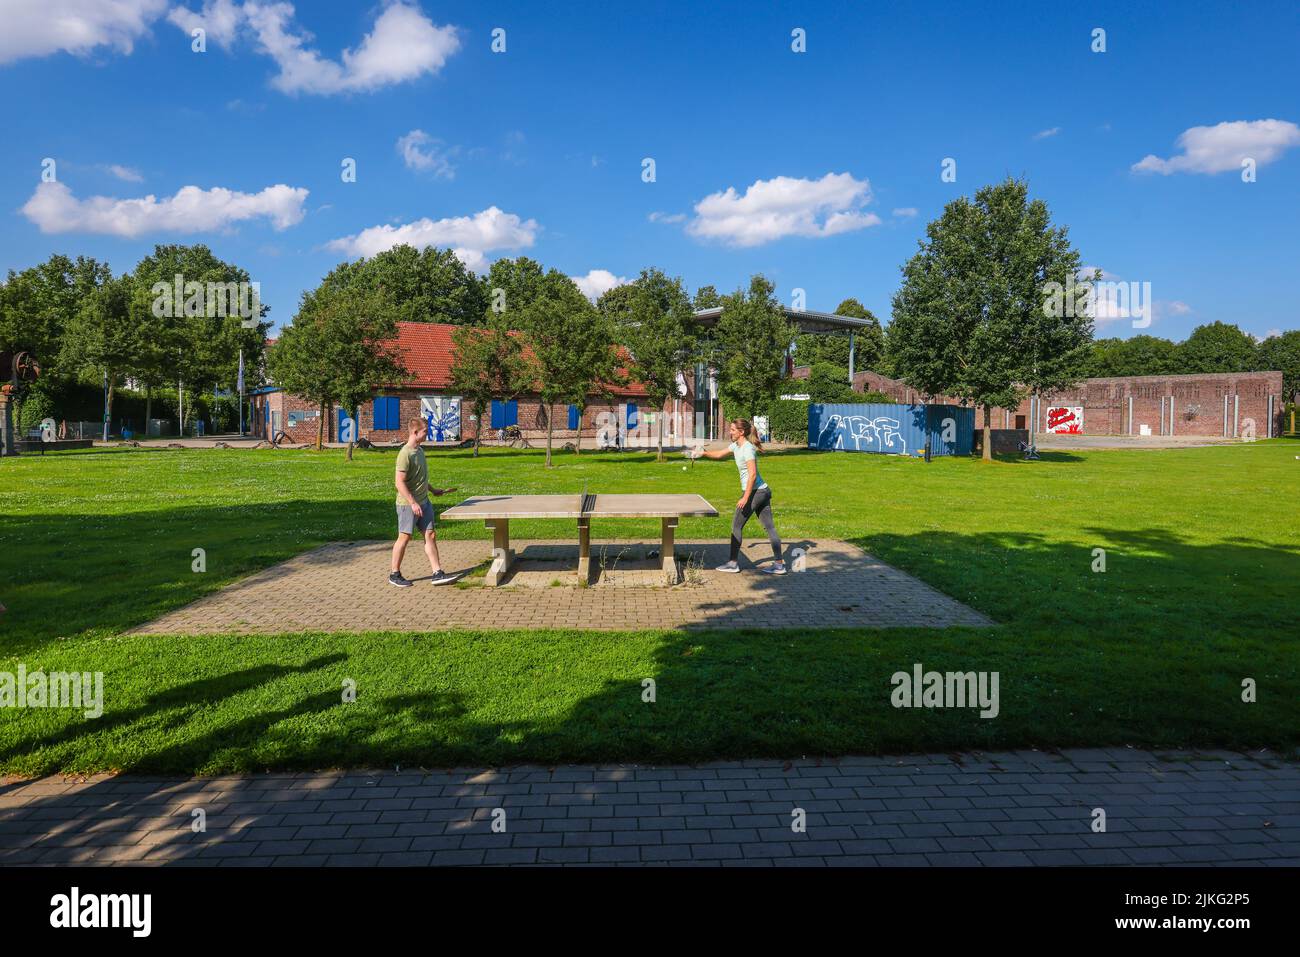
(760, 502)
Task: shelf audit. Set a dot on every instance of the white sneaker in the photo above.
(728, 567)
(777, 568)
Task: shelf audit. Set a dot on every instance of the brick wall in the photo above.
(1105, 403)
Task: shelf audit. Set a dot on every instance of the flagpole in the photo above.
(241, 391)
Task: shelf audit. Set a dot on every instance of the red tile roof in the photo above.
(427, 351)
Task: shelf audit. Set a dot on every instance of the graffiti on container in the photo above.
(880, 434)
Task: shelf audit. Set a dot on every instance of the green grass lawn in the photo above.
(1201, 591)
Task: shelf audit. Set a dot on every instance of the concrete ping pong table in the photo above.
(496, 511)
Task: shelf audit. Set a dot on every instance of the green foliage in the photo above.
(654, 324)
(513, 283)
(828, 382)
(787, 420)
(750, 342)
(1137, 355)
(706, 297)
(337, 350)
(969, 320)
(192, 340)
(572, 344)
(1282, 354)
(428, 285)
(38, 304)
(1217, 347)
(489, 363)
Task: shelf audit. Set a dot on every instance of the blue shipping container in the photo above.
(892, 429)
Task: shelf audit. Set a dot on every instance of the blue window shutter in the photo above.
(631, 415)
(512, 412)
(498, 415)
(573, 417)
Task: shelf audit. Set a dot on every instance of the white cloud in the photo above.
(469, 237)
(905, 212)
(219, 19)
(658, 217)
(1179, 308)
(597, 282)
(35, 28)
(125, 173)
(1217, 149)
(403, 45)
(784, 206)
(192, 210)
(1272, 333)
(1044, 134)
(420, 151)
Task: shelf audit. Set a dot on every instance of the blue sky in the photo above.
(539, 150)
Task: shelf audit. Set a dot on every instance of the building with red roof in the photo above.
(428, 353)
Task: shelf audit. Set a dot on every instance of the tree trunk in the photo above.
(988, 434)
(577, 435)
(660, 417)
(108, 412)
(550, 428)
(148, 408)
(478, 428)
(320, 429)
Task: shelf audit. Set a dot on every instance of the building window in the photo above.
(504, 414)
(388, 413)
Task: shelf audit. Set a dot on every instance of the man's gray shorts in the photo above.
(407, 523)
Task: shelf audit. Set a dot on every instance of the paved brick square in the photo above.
(344, 587)
(115, 821)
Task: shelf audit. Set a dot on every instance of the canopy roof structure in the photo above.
(805, 320)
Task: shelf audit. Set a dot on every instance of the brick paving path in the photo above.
(1017, 808)
(344, 587)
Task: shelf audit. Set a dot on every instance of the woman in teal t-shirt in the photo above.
(755, 496)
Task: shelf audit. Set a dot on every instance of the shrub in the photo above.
(787, 420)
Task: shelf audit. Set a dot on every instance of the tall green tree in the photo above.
(572, 345)
(1282, 354)
(339, 348)
(512, 284)
(971, 318)
(489, 363)
(428, 285)
(38, 304)
(101, 342)
(658, 331)
(190, 305)
(1217, 347)
(749, 347)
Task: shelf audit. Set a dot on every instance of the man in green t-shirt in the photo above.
(413, 507)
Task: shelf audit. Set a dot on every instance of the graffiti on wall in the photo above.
(1064, 420)
(442, 417)
(862, 434)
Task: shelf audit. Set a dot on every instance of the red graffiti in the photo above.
(1057, 417)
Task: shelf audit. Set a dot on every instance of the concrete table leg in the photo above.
(584, 549)
(502, 556)
(666, 550)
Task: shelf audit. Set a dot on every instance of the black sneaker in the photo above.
(442, 578)
(395, 578)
